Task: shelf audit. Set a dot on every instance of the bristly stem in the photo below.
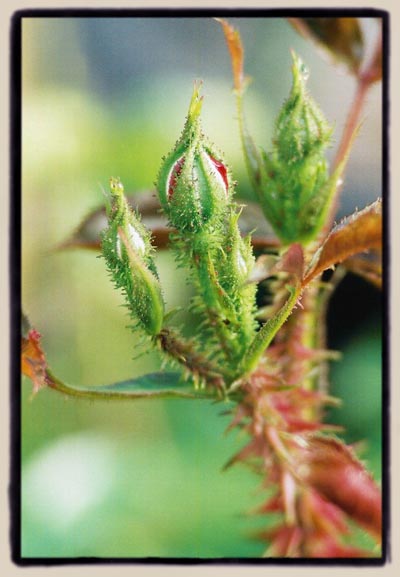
(184, 353)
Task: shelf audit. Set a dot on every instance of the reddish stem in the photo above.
(353, 119)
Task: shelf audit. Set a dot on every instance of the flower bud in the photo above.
(194, 184)
(233, 265)
(239, 260)
(127, 249)
(295, 187)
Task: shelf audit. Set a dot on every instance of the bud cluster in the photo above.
(195, 188)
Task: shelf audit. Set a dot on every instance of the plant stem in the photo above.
(251, 154)
(184, 353)
(352, 121)
(268, 331)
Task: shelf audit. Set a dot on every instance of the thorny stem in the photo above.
(183, 353)
(301, 330)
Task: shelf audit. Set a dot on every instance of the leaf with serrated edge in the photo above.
(357, 233)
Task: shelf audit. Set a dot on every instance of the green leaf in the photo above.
(154, 385)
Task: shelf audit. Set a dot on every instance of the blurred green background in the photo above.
(107, 97)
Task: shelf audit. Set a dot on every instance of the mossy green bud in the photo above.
(295, 189)
(127, 249)
(194, 183)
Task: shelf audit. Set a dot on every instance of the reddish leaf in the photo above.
(235, 48)
(273, 505)
(33, 361)
(323, 546)
(331, 550)
(284, 541)
(333, 470)
(253, 449)
(341, 38)
(320, 516)
(357, 233)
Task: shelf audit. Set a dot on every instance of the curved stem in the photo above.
(352, 121)
(353, 118)
(268, 331)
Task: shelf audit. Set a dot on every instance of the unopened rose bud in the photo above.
(127, 249)
(194, 183)
(296, 190)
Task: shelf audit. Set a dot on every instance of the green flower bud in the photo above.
(194, 184)
(239, 258)
(295, 187)
(127, 249)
